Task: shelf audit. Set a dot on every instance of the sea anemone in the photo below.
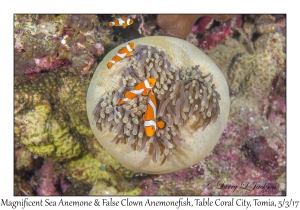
(188, 90)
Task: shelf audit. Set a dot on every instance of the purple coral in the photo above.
(47, 63)
(260, 153)
(203, 24)
(216, 35)
(56, 42)
(51, 180)
(149, 187)
(48, 179)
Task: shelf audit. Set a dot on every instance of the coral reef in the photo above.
(217, 34)
(22, 187)
(251, 75)
(181, 25)
(25, 160)
(49, 177)
(43, 128)
(261, 154)
(56, 152)
(177, 25)
(87, 169)
(250, 157)
(51, 122)
(49, 42)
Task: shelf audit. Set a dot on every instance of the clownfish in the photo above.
(122, 21)
(122, 53)
(142, 88)
(149, 117)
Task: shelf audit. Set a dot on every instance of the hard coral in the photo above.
(216, 35)
(45, 112)
(87, 170)
(47, 180)
(177, 25)
(181, 25)
(48, 42)
(260, 153)
(46, 64)
(25, 160)
(251, 75)
(50, 180)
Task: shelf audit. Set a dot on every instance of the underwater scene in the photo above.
(144, 104)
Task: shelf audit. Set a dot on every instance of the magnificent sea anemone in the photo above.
(192, 99)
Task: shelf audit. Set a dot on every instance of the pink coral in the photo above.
(47, 64)
(149, 187)
(55, 42)
(203, 24)
(50, 180)
(46, 187)
(215, 36)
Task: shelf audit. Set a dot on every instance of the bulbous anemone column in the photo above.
(199, 124)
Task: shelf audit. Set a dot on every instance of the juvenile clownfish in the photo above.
(122, 21)
(142, 88)
(122, 53)
(149, 117)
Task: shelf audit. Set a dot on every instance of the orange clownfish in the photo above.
(142, 88)
(149, 117)
(122, 21)
(122, 53)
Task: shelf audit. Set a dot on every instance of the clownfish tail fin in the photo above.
(144, 116)
(161, 124)
(121, 102)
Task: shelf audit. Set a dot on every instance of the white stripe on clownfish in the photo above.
(150, 124)
(142, 88)
(153, 107)
(122, 53)
(122, 21)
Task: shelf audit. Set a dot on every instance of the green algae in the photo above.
(44, 136)
(103, 189)
(87, 169)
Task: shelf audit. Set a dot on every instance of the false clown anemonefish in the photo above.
(122, 53)
(142, 88)
(122, 21)
(149, 117)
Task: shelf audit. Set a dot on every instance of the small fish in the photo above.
(122, 21)
(149, 117)
(80, 172)
(122, 53)
(116, 173)
(142, 88)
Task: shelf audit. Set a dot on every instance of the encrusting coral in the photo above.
(43, 120)
(51, 122)
(188, 88)
(49, 42)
